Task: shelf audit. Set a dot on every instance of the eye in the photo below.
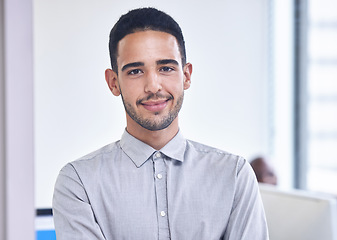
(166, 69)
(135, 72)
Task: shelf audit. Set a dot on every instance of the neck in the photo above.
(156, 139)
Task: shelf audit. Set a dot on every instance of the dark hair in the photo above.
(143, 19)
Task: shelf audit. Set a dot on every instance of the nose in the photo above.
(153, 83)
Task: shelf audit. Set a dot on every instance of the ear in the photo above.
(187, 75)
(111, 79)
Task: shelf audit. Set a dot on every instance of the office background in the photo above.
(56, 107)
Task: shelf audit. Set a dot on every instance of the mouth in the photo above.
(155, 105)
(155, 102)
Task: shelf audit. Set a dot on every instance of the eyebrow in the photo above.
(167, 61)
(134, 64)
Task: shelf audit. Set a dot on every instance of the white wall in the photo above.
(283, 78)
(75, 113)
(16, 121)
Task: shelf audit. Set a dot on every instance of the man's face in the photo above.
(151, 79)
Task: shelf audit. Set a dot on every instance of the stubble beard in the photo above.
(151, 124)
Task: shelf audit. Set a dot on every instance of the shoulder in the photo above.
(215, 156)
(206, 149)
(101, 152)
(93, 160)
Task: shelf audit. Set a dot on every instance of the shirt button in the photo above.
(162, 213)
(159, 176)
(158, 155)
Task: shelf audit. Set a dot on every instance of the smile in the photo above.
(155, 106)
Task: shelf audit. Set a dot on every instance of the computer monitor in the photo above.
(297, 215)
(44, 224)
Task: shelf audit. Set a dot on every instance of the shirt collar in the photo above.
(175, 148)
(139, 152)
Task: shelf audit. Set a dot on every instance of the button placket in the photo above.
(161, 195)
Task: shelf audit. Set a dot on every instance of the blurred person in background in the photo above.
(264, 173)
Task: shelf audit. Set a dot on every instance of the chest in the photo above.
(161, 200)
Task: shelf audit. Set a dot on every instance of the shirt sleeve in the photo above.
(73, 215)
(247, 219)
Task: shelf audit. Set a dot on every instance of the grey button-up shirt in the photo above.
(128, 190)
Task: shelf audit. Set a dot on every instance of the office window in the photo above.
(321, 77)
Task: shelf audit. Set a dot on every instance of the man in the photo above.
(153, 183)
